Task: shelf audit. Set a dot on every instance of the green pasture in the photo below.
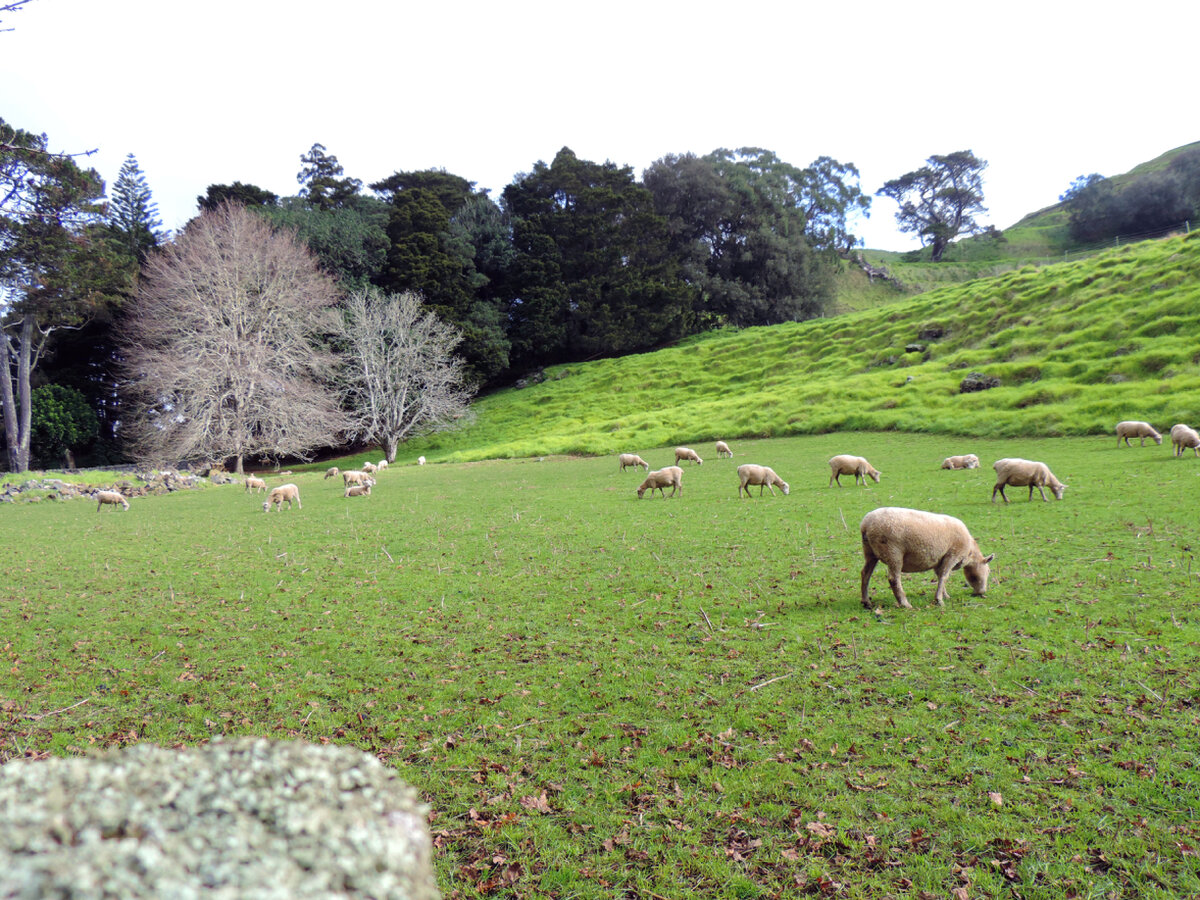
(602, 696)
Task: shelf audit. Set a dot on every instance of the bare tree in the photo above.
(401, 377)
(224, 351)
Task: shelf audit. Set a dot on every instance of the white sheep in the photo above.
(358, 490)
(723, 450)
(911, 540)
(671, 476)
(1143, 430)
(631, 459)
(967, 461)
(332, 472)
(285, 493)
(687, 453)
(255, 485)
(356, 477)
(381, 465)
(420, 460)
(369, 468)
(763, 476)
(114, 498)
(1022, 472)
(1184, 436)
(851, 465)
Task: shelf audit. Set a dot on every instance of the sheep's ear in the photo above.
(989, 557)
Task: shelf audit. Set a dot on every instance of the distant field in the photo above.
(602, 696)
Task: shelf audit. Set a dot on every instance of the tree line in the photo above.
(575, 260)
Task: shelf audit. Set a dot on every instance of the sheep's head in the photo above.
(874, 475)
(786, 489)
(1158, 439)
(266, 506)
(977, 574)
(1059, 490)
(640, 491)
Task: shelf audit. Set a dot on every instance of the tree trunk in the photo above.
(239, 470)
(8, 402)
(18, 409)
(390, 446)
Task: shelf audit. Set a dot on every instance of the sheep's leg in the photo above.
(868, 567)
(897, 589)
(769, 488)
(943, 569)
(1040, 491)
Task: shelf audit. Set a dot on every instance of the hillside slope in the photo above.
(1076, 346)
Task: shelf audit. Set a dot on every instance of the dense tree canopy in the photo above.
(941, 200)
(245, 194)
(1150, 202)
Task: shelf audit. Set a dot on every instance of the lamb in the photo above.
(661, 478)
(1143, 430)
(381, 465)
(763, 476)
(356, 477)
(112, 497)
(332, 472)
(1022, 472)
(851, 465)
(723, 450)
(1184, 436)
(687, 453)
(257, 485)
(969, 461)
(285, 493)
(911, 540)
(358, 490)
(369, 468)
(631, 459)
(420, 460)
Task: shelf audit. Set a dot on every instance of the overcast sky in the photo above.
(237, 90)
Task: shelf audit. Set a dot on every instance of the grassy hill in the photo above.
(1077, 346)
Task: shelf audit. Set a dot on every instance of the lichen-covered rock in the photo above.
(249, 818)
(978, 382)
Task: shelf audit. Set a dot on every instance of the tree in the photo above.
(224, 349)
(245, 194)
(941, 200)
(133, 214)
(349, 241)
(401, 377)
(62, 420)
(322, 186)
(47, 278)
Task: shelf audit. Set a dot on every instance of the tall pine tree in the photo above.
(133, 214)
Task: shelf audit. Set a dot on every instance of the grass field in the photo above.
(601, 696)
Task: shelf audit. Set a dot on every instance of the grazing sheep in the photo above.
(851, 465)
(332, 472)
(1182, 437)
(723, 450)
(420, 460)
(763, 476)
(358, 490)
(356, 477)
(369, 468)
(968, 461)
(381, 465)
(1022, 472)
(669, 476)
(285, 493)
(910, 540)
(112, 497)
(687, 453)
(631, 459)
(257, 485)
(1143, 430)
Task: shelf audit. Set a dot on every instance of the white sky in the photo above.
(237, 90)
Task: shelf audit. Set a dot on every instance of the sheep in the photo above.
(851, 465)
(723, 450)
(369, 468)
(631, 459)
(381, 465)
(1143, 430)
(969, 461)
(285, 493)
(332, 472)
(763, 476)
(420, 460)
(661, 478)
(687, 453)
(911, 540)
(1022, 472)
(112, 497)
(356, 477)
(1184, 436)
(358, 490)
(256, 485)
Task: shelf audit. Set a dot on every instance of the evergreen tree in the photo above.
(133, 214)
(321, 181)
